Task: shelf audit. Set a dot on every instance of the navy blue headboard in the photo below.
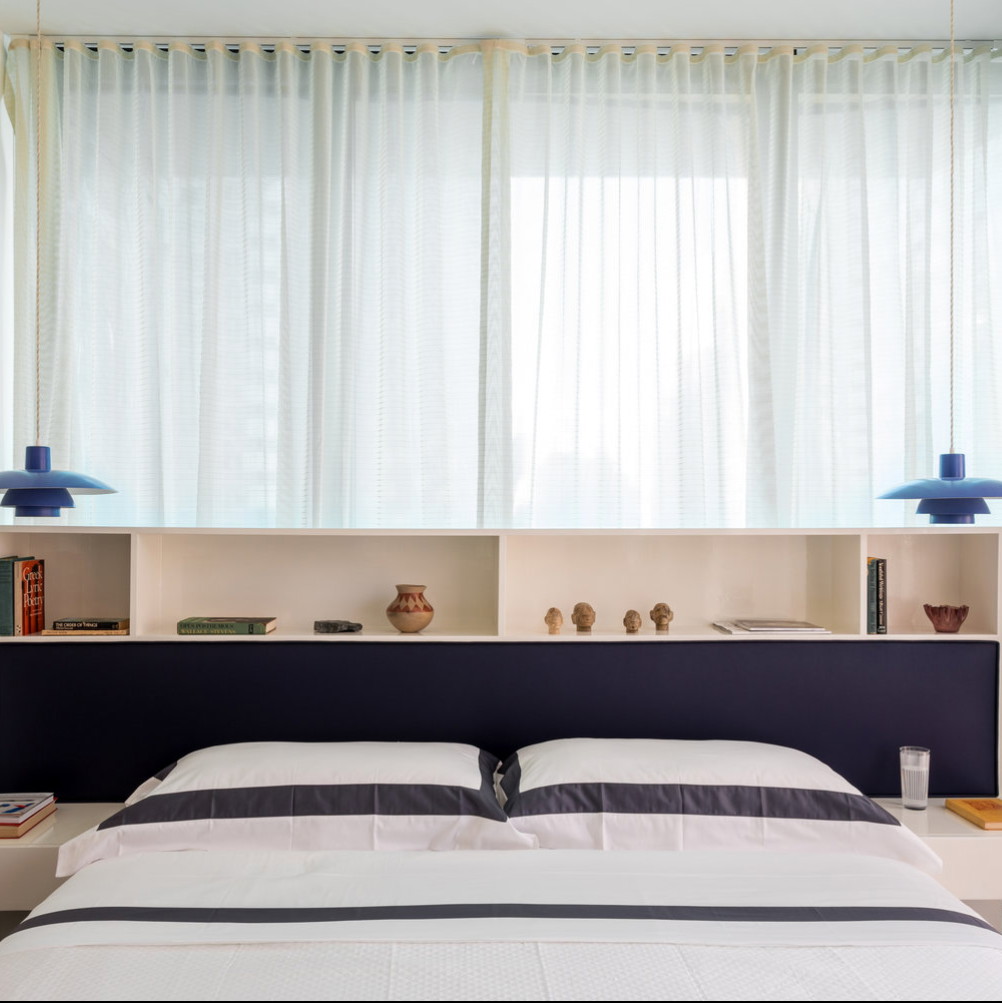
(92, 720)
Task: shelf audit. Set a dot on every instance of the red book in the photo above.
(29, 596)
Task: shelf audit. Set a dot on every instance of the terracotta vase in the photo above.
(410, 611)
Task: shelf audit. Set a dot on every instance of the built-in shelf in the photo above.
(498, 584)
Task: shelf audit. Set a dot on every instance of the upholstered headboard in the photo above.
(91, 720)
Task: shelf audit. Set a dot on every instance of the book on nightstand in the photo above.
(986, 812)
(21, 812)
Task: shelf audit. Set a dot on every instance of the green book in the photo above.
(226, 625)
(871, 595)
(7, 594)
(881, 596)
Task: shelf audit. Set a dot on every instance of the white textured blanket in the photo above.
(539, 925)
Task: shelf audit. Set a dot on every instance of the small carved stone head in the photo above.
(583, 617)
(662, 616)
(554, 620)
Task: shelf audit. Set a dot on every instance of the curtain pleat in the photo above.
(502, 286)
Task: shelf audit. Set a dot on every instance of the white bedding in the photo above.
(535, 925)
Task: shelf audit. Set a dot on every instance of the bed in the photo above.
(629, 864)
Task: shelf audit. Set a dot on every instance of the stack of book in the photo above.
(876, 595)
(22, 595)
(21, 812)
(746, 625)
(83, 626)
(226, 625)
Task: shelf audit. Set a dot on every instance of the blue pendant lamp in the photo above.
(953, 498)
(38, 490)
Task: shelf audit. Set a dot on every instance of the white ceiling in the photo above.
(904, 20)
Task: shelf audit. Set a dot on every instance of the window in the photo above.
(502, 287)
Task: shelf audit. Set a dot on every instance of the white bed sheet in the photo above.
(250, 926)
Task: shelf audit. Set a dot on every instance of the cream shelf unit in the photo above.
(497, 584)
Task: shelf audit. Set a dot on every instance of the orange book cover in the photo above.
(986, 812)
(29, 596)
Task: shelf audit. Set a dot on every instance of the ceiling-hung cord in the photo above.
(953, 84)
(38, 222)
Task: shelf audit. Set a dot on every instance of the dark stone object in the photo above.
(335, 627)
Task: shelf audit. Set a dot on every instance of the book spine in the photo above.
(89, 624)
(881, 595)
(87, 633)
(221, 628)
(7, 596)
(29, 596)
(871, 595)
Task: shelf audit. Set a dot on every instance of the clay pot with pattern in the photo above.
(410, 612)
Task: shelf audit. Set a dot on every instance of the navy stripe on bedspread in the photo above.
(697, 799)
(508, 910)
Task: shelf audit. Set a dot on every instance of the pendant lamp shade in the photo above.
(952, 498)
(38, 490)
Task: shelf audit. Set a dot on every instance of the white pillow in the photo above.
(309, 796)
(644, 794)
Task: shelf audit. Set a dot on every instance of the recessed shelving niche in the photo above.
(955, 567)
(703, 576)
(499, 583)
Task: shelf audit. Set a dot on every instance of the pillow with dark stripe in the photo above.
(310, 796)
(644, 794)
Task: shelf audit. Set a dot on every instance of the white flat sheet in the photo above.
(537, 925)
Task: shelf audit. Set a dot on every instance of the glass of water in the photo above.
(914, 777)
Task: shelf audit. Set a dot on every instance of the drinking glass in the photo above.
(914, 777)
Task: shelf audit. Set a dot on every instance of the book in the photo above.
(226, 625)
(986, 812)
(729, 627)
(738, 627)
(84, 633)
(29, 595)
(7, 594)
(881, 625)
(11, 830)
(118, 623)
(871, 595)
(15, 808)
(795, 626)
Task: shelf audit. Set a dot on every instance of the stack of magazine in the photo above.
(746, 625)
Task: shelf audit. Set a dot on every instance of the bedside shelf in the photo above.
(28, 863)
(972, 856)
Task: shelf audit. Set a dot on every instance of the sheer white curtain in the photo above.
(501, 287)
(729, 280)
(264, 299)
(629, 242)
(6, 272)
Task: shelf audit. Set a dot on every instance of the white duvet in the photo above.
(496, 925)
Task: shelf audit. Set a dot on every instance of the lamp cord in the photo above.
(953, 84)
(38, 217)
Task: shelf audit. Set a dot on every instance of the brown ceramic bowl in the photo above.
(946, 619)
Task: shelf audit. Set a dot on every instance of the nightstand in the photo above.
(28, 864)
(972, 857)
